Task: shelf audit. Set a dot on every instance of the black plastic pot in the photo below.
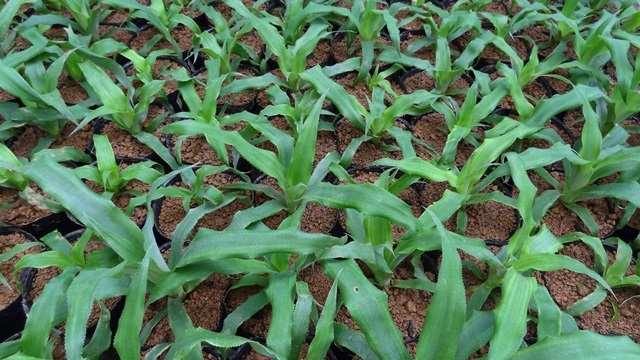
(244, 351)
(13, 317)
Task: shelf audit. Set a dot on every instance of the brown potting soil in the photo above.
(567, 287)
(28, 139)
(368, 151)
(7, 242)
(16, 210)
(256, 326)
(316, 218)
(242, 99)
(172, 210)
(126, 145)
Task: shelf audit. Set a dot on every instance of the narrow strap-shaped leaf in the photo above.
(80, 297)
(301, 317)
(617, 271)
(269, 34)
(97, 213)
(109, 171)
(583, 344)
(127, 341)
(346, 103)
(242, 219)
(552, 262)
(9, 10)
(211, 245)
(366, 198)
(101, 339)
(354, 341)
(108, 92)
(299, 170)
(536, 158)
(477, 331)
(369, 308)
(186, 341)
(525, 204)
(280, 294)
(548, 108)
(587, 303)
(243, 312)
(629, 191)
(325, 329)
(488, 152)
(180, 322)
(264, 160)
(40, 320)
(195, 273)
(446, 314)
(511, 314)
(549, 314)
(15, 84)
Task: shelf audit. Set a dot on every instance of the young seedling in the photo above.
(291, 57)
(292, 167)
(43, 103)
(129, 111)
(86, 16)
(164, 16)
(107, 173)
(379, 120)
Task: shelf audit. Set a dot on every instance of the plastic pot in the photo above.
(12, 316)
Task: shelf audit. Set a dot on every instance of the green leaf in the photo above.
(354, 341)
(108, 92)
(511, 314)
(553, 262)
(581, 345)
(101, 339)
(629, 191)
(212, 245)
(269, 34)
(301, 165)
(127, 341)
(264, 160)
(325, 330)
(424, 169)
(347, 104)
(366, 198)
(280, 294)
(96, 212)
(368, 306)
(477, 331)
(446, 314)
(37, 329)
(80, 297)
(9, 10)
(301, 317)
(548, 108)
(549, 314)
(186, 341)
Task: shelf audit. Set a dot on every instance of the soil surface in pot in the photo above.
(172, 210)
(567, 287)
(7, 242)
(16, 210)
